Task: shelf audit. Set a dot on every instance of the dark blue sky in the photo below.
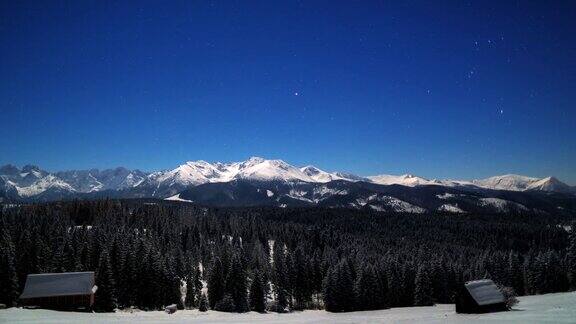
(445, 89)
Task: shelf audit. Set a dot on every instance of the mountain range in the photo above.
(259, 181)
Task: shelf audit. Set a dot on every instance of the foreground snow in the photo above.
(551, 308)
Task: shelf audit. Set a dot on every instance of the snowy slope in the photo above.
(516, 182)
(404, 180)
(550, 184)
(190, 173)
(261, 169)
(550, 308)
(319, 175)
(43, 184)
(506, 182)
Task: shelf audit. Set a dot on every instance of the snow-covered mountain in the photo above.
(318, 175)
(95, 180)
(194, 173)
(522, 183)
(31, 182)
(404, 180)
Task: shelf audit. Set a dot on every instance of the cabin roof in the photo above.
(484, 292)
(58, 284)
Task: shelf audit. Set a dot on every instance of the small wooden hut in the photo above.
(480, 296)
(68, 290)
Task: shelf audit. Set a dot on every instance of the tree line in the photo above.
(152, 254)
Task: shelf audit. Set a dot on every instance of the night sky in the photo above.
(441, 89)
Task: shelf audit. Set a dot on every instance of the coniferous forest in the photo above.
(149, 254)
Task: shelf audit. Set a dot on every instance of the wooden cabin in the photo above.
(62, 291)
(480, 296)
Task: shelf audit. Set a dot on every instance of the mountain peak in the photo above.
(256, 159)
(9, 169)
(549, 184)
(30, 168)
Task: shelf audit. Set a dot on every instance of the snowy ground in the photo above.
(551, 308)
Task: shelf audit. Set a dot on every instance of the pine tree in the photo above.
(571, 257)
(281, 301)
(197, 282)
(203, 303)
(216, 283)
(257, 294)
(423, 288)
(106, 293)
(515, 274)
(237, 285)
(367, 289)
(280, 274)
(339, 289)
(226, 304)
(301, 279)
(25, 258)
(191, 293)
(127, 285)
(8, 274)
(537, 275)
(173, 285)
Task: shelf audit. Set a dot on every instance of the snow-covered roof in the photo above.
(58, 284)
(484, 292)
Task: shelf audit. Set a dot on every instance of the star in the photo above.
(296, 94)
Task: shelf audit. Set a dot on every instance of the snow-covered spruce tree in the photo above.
(57, 261)
(438, 279)
(190, 299)
(281, 305)
(216, 283)
(198, 284)
(515, 273)
(257, 293)
(193, 287)
(509, 296)
(571, 257)
(394, 284)
(557, 276)
(202, 303)
(127, 282)
(301, 279)
(25, 257)
(346, 289)
(105, 299)
(8, 274)
(280, 275)
(329, 290)
(237, 284)
(157, 288)
(226, 304)
(408, 284)
(381, 276)
(367, 289)
(117, 258)
(40, 256)
(339, 289)
(173, 284)
(423, 288)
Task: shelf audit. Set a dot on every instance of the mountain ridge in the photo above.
(31, 181)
